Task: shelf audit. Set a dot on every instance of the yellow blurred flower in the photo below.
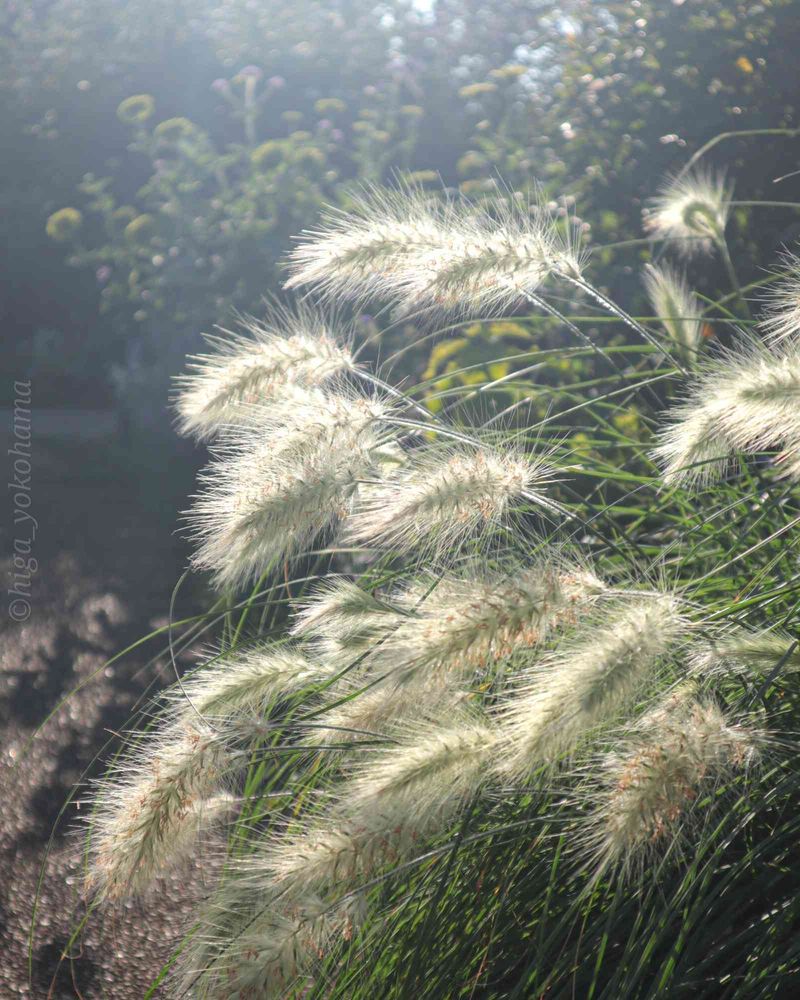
(64, 224)
(137, 109)
(476, 89)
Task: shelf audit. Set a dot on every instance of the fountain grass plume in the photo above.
(781, 320)
(280, 481)
(149, 810)
(340, 620)
(385, 809)
(692, 209)
(745, 400)
(588, 681)
(366, 707)
(649, 787)
(474, 618)
(446, 495)
(255, 364)
(363, 251)
(420, 641)
(248, 680)
(738, 651)
(447, 255)
(425, 769)
(249, 945)
(678, 309)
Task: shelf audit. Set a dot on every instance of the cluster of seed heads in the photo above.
(381, 688)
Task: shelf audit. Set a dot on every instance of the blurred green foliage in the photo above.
(196, 138)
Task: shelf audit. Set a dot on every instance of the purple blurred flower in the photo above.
(276, 82)
(103, 273)
(337, 135)
(221, 85)
(325, 123)
(251, 71)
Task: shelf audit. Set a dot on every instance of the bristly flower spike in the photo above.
(279, 482)
(649, 788)
(247, 680)
(446, 255)
(361, 252)
(678, 309)
(743, 401)
(399, 796)
(742, 651)
(473, 620)
(149, 811)
(587, 681)
(444, 496)
(782, 315)
(691, 209)
(253, 366)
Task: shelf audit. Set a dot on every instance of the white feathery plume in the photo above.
(247, 681)
(472, 620)
(364, 251)
(255, 366)
(746, 401)
(334, 603)
(150, 810)
(375, 705)
(279, 482)
(401, 795)
(692, 209)
(341, 620)
(648, 789)
(343, 623)
(432, 767)
(742, 651)
(489, 261)
(587, 681)
(677, 307)
(782, 315)
(444, 496)
(448, 255)
(252, 945)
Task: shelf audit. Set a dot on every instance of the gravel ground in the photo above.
(107, 562)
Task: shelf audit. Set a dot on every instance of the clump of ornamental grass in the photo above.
(449, 688)
(743, 401)
(255, 365)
